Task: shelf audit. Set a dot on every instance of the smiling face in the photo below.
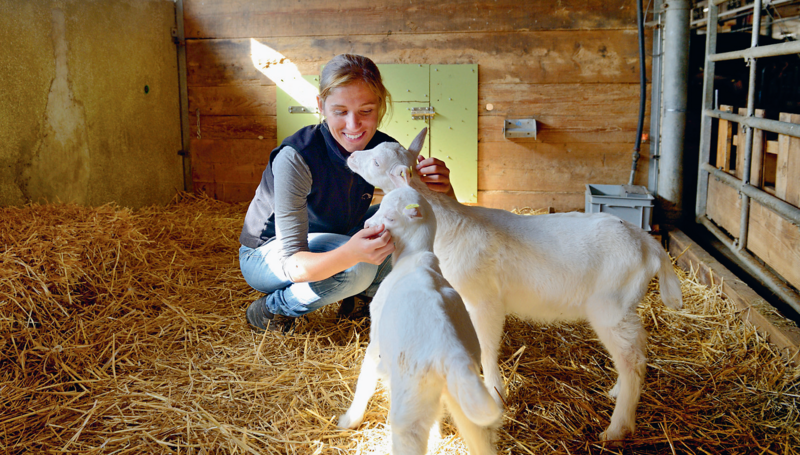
(352, 115)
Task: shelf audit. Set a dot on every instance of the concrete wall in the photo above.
(75, 122)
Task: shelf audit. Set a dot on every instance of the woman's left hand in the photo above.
(435, 174)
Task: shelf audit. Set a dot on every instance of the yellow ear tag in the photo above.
(412, 206)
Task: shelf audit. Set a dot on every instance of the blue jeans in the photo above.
(262, 271)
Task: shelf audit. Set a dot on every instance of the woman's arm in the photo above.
(292, 185)
(365, 246)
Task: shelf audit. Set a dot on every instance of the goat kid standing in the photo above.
(558, 267)
(421, 340)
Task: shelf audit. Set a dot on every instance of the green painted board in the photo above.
(288, 123)
(454, 129)
(406, 82)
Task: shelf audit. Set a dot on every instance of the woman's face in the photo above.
(352, 114)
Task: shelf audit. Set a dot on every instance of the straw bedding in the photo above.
(123, 332)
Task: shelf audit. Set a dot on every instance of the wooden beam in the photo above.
(248, 18)
(781, 332)
(607, 56)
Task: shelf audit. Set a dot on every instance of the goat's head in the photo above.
(409, 218)
(389, 165)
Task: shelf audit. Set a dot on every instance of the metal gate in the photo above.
(750, 123)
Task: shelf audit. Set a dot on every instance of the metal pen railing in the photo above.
(748, 122)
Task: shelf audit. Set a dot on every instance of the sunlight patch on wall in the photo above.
(280, 70)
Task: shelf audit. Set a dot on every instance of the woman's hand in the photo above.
(435, 174)
(371, 245)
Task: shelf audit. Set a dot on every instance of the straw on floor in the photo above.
(124, 332)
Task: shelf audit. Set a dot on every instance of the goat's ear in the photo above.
(412, 211)
(418, 142)
(401, 176)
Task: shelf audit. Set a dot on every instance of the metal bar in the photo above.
(772, 50)
(772, 282)
(184, 97)
(655, 103)
(744, 219)
(673, 122)
(787, 211)
(775, 126)
(705, 121)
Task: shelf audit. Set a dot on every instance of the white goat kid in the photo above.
(558, 267)
(421, 340)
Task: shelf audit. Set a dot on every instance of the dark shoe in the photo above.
(261, 319)
(355, 307)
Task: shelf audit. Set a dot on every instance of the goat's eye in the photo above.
(375, 162)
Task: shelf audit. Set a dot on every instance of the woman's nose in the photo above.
(353, 122)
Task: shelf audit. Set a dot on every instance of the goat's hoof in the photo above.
(348, 423)
(615, 437)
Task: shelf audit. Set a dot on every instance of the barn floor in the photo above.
(124, 332)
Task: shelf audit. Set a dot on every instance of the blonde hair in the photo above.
(347, 69)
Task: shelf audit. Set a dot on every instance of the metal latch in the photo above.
(519, 127)
(422, 113)
(302, 110)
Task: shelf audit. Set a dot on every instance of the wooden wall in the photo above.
(571, 64)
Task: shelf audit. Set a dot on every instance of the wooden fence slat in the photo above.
(724, 142)
(787, 177)
(757, 158)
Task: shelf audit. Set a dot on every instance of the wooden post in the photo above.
(724, 141)
(787, 176)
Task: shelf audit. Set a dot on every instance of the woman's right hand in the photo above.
(371, 245)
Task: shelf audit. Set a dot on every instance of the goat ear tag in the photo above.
(412, 211)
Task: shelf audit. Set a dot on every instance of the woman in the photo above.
(302, 242)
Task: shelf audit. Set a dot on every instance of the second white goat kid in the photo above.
(421, 340)
(558, 267)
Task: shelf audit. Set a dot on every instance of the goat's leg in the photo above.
(415, 408)
(479, 440)
(365, 388)
(489, 327)
(626, 342)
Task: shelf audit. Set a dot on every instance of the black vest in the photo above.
(338, 200)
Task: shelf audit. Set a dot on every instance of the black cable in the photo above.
(642, 87)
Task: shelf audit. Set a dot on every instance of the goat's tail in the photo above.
(669, 283)
(467, 389)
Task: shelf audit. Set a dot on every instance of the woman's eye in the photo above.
(366, 112)
(339, 112)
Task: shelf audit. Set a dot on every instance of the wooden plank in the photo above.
(724, 141)
(247, 18)
(509, 200)
(232, 100)
(608, 56)
(509, 166)
(781, 332)
(234, 127)
(560, 129)
(775, 241)
(739, 142)
(724, 206)
(603, 100)
(757, 158)
(787, 178)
